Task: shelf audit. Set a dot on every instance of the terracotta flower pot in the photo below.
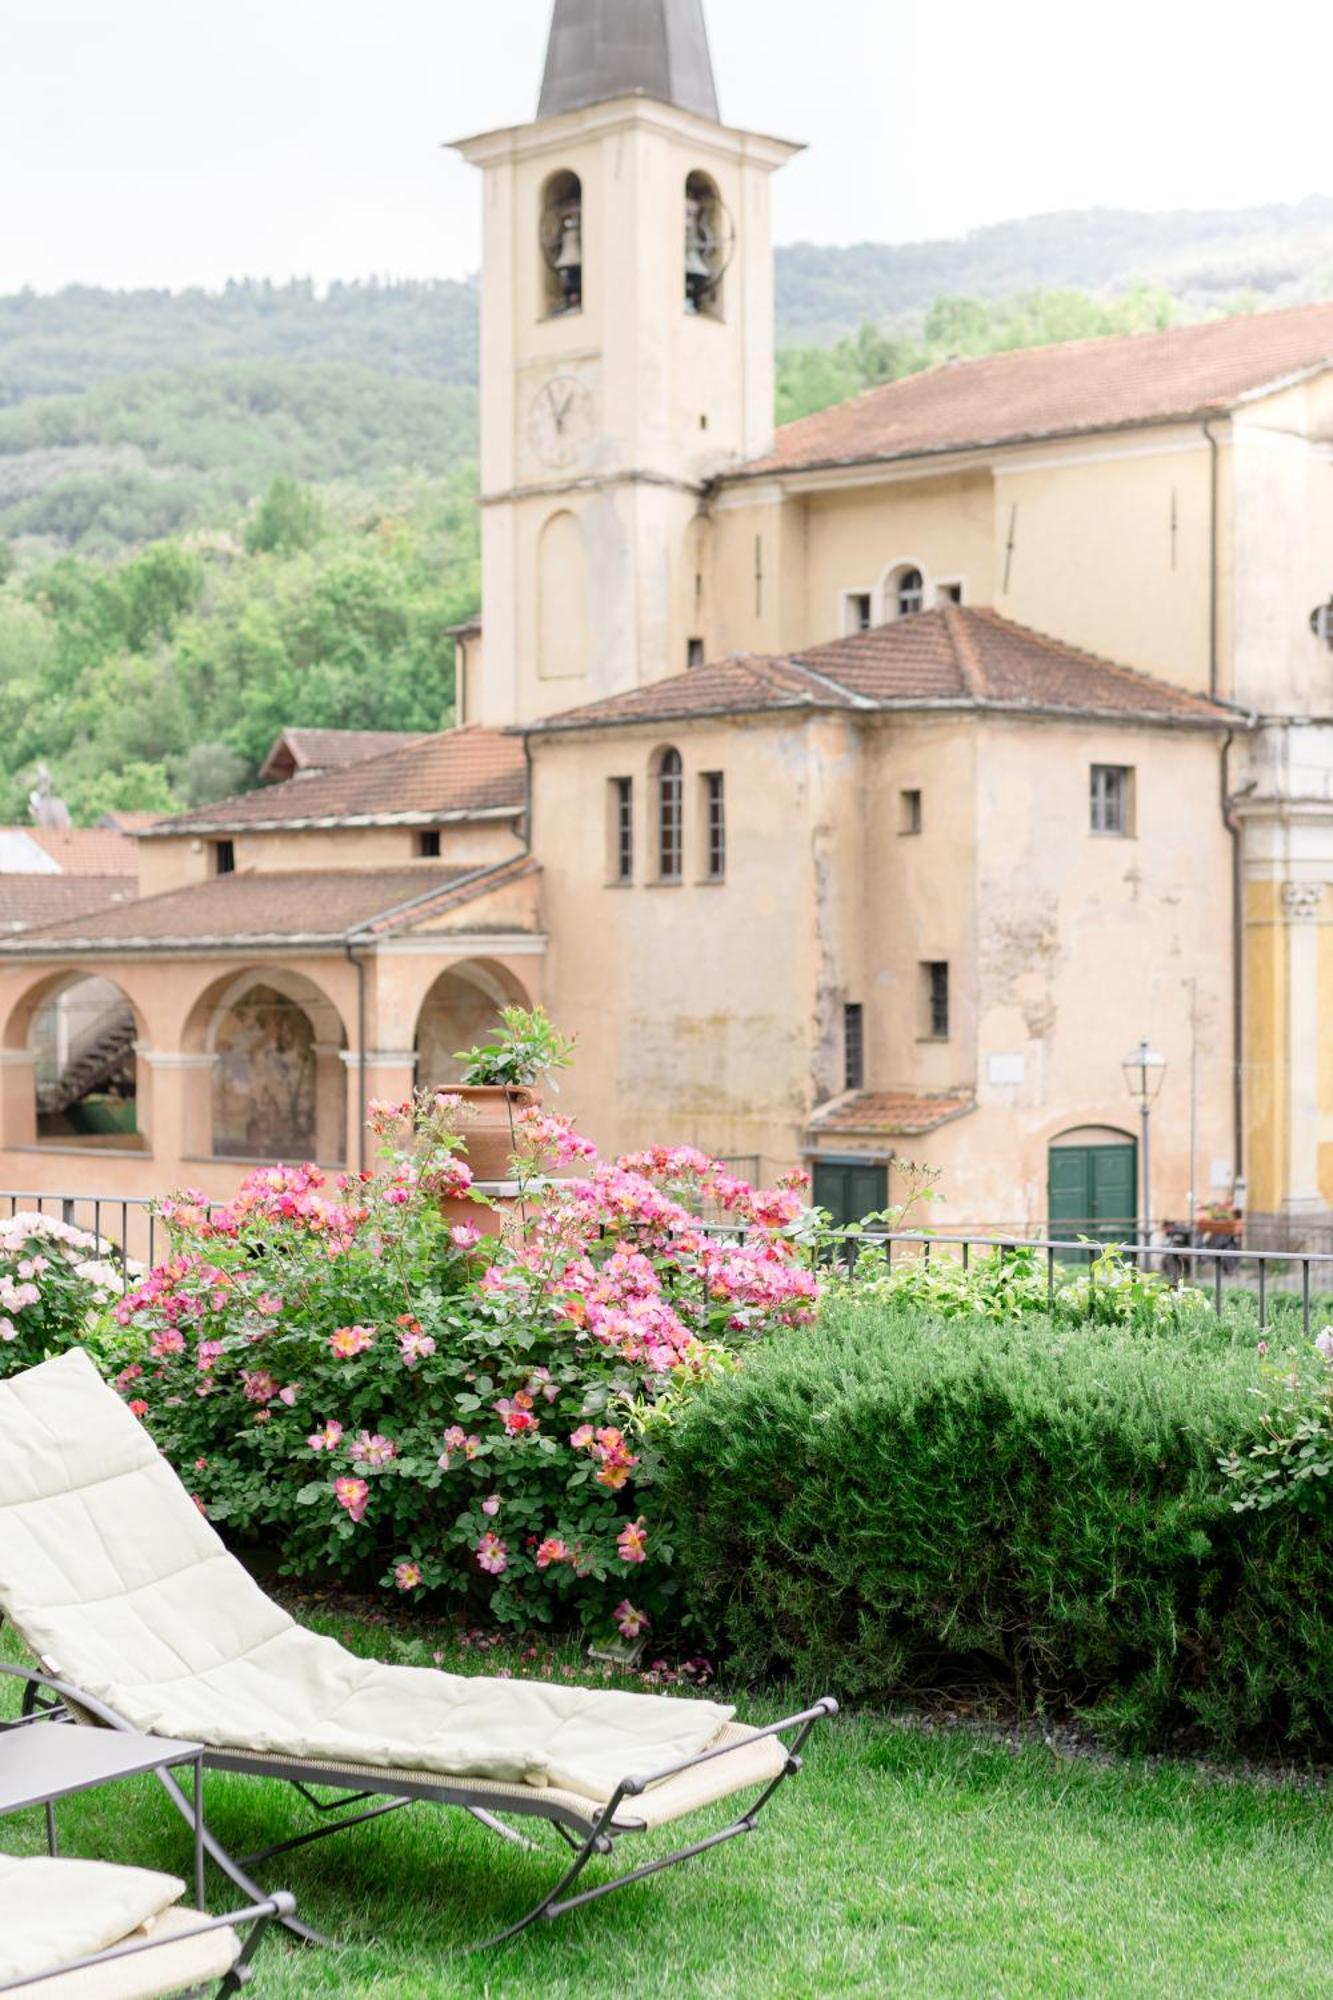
(489, 1134)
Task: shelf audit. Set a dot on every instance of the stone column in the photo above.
(1301, 902)
(390, 1075)
(330, 1104)
(18, 1098)
(180, 1094)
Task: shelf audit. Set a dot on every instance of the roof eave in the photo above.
(794, 469)
(330, 822)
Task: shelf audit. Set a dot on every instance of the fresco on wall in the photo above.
(264, 1079)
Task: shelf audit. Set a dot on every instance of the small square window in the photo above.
(428, 843)
(853, 1046)
(1112, 798)
(224, 857)
(694, 652)
(857, 611)
(935, 999)
(948, 593)
(909, 812)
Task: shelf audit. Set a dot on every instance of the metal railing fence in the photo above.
(132, 1232)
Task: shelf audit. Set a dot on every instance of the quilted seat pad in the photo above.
(53, 1912)
(120, 1586)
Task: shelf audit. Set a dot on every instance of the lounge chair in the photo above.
(83, 1930)
(141, 1619)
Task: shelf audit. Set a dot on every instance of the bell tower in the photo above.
(626, 355)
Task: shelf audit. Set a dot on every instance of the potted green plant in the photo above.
(503, 1076)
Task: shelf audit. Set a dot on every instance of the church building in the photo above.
(859, 794)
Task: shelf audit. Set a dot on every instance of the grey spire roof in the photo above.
(622, 48)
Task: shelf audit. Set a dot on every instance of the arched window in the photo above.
(670, 817)
(906, 593)
(708, 246)
(561, 232)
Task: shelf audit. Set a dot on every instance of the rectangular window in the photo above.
(622, 829)
(909, 812)
(670, 816)
(224, 857)
(715, 825)
(935, 999)
(428, 843)
(1112, 798)
(856, 611)
(694, 652)
(853, 1046)
(948, 593)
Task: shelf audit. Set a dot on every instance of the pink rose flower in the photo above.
(632, 1543)
(353, 1494)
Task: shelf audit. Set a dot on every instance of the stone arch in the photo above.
(902, 589)
(561, 237)
(707, 248)
(562, 599)
(278, 1081)
(462, 1007)
(79, 1039)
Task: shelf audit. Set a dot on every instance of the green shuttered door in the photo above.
(1093, 1191)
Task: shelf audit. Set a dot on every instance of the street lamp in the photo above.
(1145, 1072)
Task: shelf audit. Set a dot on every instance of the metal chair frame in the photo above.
(586, 1839)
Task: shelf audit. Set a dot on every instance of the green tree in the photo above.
(289, 517)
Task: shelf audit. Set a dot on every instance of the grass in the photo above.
(931, 1865)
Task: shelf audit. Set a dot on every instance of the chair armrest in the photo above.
(804, 1721)
(34, 1677)
(280, 1905)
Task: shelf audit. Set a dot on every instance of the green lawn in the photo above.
(896, 1863)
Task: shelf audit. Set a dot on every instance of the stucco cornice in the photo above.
(616, 116)
(865, 710)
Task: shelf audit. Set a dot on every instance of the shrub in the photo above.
(1107, 1290)
(53, 1281)
(371, 1386)
(897, 1501)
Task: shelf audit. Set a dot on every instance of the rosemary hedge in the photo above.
(896, 1503)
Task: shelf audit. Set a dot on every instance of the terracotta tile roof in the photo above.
(329, 749)
(891, 1113)
(315, 906)
(297, 906)
(1081, 385)
(453, 896)
(85, 850)
(454, 774)
(30, 902)
(129, 822)
(964, 658)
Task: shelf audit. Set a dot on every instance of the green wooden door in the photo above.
(850, 1189)
(1094, 1192)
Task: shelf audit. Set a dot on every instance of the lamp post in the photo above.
(1145, 1071)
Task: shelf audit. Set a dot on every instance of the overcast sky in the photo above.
(175, 142)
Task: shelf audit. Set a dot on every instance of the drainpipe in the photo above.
(360, 965)
(1212, 567)
(1232, 825)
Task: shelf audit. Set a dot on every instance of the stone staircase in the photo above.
(103, 1055)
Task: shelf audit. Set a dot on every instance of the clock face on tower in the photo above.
(560, 422)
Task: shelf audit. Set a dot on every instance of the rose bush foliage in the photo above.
(355, 1375)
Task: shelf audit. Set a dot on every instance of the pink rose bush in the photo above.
(381, 1392)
